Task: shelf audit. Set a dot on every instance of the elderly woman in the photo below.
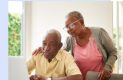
(92, 48)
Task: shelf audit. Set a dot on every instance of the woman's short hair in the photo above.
(76, 14)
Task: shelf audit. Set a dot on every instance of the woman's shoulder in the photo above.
(96, 31)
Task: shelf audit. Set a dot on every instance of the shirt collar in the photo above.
(59, 56)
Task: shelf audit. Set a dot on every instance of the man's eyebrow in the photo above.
(43, 41)
(53, 41)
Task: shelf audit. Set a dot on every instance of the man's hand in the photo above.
(37, 51)
(105, 75)
(37, 77)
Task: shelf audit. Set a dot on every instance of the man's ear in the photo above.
(60, 45)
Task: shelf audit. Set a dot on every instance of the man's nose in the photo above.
(47, 48)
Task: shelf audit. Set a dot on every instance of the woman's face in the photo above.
(73, 26)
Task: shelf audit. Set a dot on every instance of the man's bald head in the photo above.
(55, 33)
(52, 44)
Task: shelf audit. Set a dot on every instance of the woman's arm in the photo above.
(109, 48)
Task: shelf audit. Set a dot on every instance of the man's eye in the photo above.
(44, 43)
(52, 44)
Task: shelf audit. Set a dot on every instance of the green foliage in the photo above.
(14, 34)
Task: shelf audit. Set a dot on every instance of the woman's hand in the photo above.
(37, 51)
(105, 75)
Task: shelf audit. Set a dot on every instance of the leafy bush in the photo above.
(14, 34)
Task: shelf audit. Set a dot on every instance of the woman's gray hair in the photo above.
(76, 14)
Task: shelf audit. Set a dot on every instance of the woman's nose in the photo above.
(69, 30)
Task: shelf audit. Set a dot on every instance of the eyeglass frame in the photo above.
(70, 26)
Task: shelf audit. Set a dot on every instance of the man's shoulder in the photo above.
(37, 56)
(65, 54)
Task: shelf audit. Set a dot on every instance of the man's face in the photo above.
(73, 26)
(50, 46)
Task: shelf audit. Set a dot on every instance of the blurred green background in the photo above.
(14, 34)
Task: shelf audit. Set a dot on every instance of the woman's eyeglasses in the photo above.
(70, 26)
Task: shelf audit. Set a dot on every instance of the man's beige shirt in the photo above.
(61, 65)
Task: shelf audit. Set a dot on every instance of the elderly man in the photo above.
(53, 63)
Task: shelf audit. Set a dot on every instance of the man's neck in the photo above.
(49, 60)
(51, 57)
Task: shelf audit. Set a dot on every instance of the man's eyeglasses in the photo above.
(70, 26)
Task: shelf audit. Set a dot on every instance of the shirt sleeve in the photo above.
(31, 64)
(70, 65)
